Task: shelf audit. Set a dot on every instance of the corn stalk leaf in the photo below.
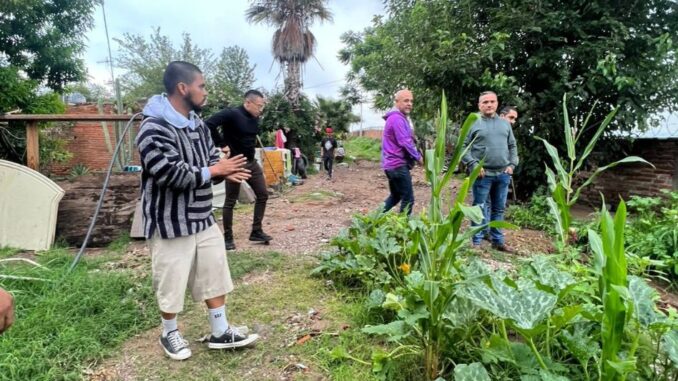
(555, 212)
(569, 139)
(553, 152)
(594, 139)
(599, 170)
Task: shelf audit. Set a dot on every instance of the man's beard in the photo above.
(197, 108)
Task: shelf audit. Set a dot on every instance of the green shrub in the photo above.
(653, 229)
(533, 215)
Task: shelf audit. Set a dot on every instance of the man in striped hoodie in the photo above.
(179, 161)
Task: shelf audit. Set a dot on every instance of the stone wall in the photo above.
(86, 141)
(79, 202)
(637, 179)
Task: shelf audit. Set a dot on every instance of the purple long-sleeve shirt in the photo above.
(397, 145)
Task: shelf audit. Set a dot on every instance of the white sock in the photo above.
(168, 326)
(218, 320)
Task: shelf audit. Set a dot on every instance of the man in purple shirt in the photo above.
(398, 153)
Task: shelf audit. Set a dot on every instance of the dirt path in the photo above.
(279, 299)
(307, 216)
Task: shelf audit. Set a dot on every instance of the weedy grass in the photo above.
(273, 296)
(66, 321)
(361, 148)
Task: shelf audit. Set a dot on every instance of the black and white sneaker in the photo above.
(175, 346)
(232, 338)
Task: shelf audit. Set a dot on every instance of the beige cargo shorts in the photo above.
(198, 262)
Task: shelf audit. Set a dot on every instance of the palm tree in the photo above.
(293, 43)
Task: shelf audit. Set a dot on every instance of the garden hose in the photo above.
(103, 193)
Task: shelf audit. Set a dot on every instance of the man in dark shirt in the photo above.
(237, 129)
(327, 146)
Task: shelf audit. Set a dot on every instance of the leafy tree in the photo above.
(299, 122)
(531, 53)
(44, 39)
(145, 59)
(335, 114)
(231, 78)
(20, 93)
(293, 43)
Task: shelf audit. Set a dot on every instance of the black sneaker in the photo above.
(260, 236)
(229, 243)
(175, 346)
(231, 339)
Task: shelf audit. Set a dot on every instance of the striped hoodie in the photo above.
(175, 153)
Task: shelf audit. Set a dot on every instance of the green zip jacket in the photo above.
(492, 140)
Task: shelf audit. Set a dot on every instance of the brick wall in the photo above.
(85, 140)
(637, 179)
(374, 134)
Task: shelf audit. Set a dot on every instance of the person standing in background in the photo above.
(398, 153)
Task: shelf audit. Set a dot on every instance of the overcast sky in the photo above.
(215, 24)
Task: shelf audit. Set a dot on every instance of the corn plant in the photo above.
(609, 263)
(564, 194)
(426, 302)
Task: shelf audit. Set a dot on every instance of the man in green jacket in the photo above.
(491, 138)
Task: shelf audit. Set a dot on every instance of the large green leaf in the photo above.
(548, 275)
(473, 213)
(394, 331)
(524, 306)
(644, 300)
(471, 372)
(548, 376)
(580, 343)
(461, 312)
(670, 346)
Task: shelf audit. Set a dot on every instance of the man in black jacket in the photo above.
(237, 128)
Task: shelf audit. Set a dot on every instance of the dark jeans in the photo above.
(492, 189)
(328, 161)
(258, 184)
(400, 185)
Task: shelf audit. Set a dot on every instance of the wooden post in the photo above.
(33, 145)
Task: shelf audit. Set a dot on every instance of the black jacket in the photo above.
(235, 128)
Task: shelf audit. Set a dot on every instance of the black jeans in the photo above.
(327, 162)
(258, 184)
(400, 185)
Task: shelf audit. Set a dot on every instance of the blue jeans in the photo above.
(492, 189)
(400, 185)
